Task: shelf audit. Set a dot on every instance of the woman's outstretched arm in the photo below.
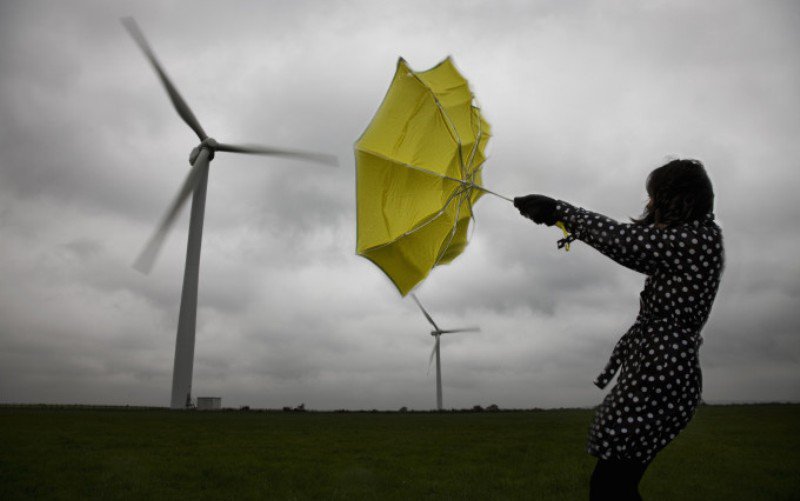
(640, 248)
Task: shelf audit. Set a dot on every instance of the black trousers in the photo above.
(616, 480)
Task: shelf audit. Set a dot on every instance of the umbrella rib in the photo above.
(477, 141)
(443, 176)
(411, 166)
(472, 216)
(451, 126)
(474, 172)
(466, 188)
(443, 251)
(434, 217)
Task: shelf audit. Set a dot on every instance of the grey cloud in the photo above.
(584, 98)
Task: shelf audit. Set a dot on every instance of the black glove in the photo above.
(538, 208)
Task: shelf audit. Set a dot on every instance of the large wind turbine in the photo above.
(436, 333)
(195, 185)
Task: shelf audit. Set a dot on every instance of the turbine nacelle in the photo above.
(209, 144)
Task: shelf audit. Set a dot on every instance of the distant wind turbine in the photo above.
(195, 185)
(436, 333)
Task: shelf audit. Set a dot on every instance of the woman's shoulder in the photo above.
(701, 234)
(706, 227)
(703, 226)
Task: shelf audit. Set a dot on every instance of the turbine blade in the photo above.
(180, 105)
(144, 263)
(424, 312)
(465, 329)
(255, 149)
(430, 360)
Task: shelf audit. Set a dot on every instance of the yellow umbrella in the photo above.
(418, 173)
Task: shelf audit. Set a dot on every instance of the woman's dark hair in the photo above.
(680, 192)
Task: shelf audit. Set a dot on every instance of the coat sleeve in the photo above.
(640, 248)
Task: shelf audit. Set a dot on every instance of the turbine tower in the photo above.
(194, 185)
(436, 333)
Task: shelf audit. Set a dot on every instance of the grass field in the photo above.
(728, 452)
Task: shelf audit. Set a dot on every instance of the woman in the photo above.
(677, 245)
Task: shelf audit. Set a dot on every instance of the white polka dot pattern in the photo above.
(660, 379)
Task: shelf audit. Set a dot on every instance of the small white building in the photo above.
(209, 403)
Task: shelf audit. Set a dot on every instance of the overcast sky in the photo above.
(585, 98)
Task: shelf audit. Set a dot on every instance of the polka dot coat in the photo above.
(659, 381)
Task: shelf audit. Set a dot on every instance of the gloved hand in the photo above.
(538, 208)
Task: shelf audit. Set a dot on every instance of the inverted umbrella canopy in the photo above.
(418, 173)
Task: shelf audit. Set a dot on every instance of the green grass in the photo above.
(727, 452)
